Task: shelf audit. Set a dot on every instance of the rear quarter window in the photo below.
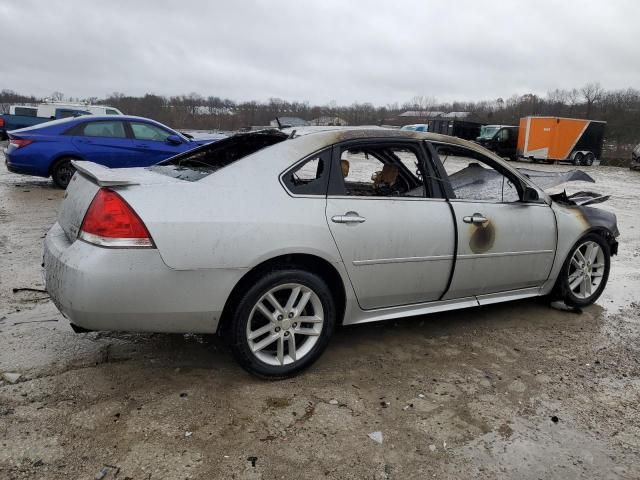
(311, 176)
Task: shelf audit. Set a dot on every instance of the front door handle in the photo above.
(349, 217)
(476, 219)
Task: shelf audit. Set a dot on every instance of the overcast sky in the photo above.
(376, 51)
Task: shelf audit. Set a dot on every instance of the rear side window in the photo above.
(111, 111)
(70, 113)
(102, 129)
(380, 170)
(27, 112)
(309, 177)
(146, 131)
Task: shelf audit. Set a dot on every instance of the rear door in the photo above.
(104, 142)
(504, 243)
(394, 232)
(151, 144)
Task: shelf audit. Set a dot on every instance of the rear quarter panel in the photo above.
(39, 156)
(235, 218)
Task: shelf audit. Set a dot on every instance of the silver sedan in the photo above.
(273, 238)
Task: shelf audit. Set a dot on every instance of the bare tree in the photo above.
(592, 93)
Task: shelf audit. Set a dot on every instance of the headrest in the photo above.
(389, 174)
(344, 166)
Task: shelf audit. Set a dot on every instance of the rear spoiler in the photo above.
(103, 176)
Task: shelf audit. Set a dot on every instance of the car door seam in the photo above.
(455, 249)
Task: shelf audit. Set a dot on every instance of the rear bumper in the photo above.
(131, 289)
(24, 169)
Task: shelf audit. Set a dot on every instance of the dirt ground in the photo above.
(517, 390)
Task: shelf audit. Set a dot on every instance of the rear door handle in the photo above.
(476, 219)
(349, 217)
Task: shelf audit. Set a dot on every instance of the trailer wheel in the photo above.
(577, 158)
(588, 159)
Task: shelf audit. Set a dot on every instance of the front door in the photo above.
(503, 243)
(151, 144)
(396, 241)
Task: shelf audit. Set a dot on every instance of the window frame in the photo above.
(327, 156)
(142, 122)
(78, 129)
(431, 190)
(519, 184)
(20, 110)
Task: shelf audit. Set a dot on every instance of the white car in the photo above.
(273, 238)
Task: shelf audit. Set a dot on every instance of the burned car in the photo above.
(273, 238)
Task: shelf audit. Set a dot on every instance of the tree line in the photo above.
(619, 108)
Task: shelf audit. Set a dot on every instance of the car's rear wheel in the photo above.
(62, 172)
(586, 271)
(283, 323)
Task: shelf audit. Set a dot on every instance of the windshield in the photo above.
(488, 131)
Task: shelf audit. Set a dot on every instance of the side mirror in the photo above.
(174, 140)
(530, 195)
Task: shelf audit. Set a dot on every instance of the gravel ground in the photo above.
(515, 390)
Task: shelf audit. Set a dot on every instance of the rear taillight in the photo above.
(111, 222)
(1, 122)
(19, 142)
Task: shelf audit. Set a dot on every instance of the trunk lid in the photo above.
(90, 177)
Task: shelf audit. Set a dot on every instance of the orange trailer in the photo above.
(561, 139)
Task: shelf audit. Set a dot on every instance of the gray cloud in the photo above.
(376, 51)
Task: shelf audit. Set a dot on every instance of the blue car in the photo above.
(46, 150)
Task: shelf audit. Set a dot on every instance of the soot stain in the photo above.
(481, 237)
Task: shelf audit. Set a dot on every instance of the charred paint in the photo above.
(482, 237)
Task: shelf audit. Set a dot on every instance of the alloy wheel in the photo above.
(285, 324)
(586, 269)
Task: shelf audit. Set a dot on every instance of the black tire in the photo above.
(563, 289)
(577, 159)
(61, 172)
(242, 316)
(589, 158)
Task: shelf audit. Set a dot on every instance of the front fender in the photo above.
(574, 222)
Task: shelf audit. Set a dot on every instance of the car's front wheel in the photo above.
(283, 323)
(585, 272)
(62, 172)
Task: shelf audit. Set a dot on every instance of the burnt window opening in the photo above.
(203, 161)
(381, 170)
(310, 177)
(474, 177)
